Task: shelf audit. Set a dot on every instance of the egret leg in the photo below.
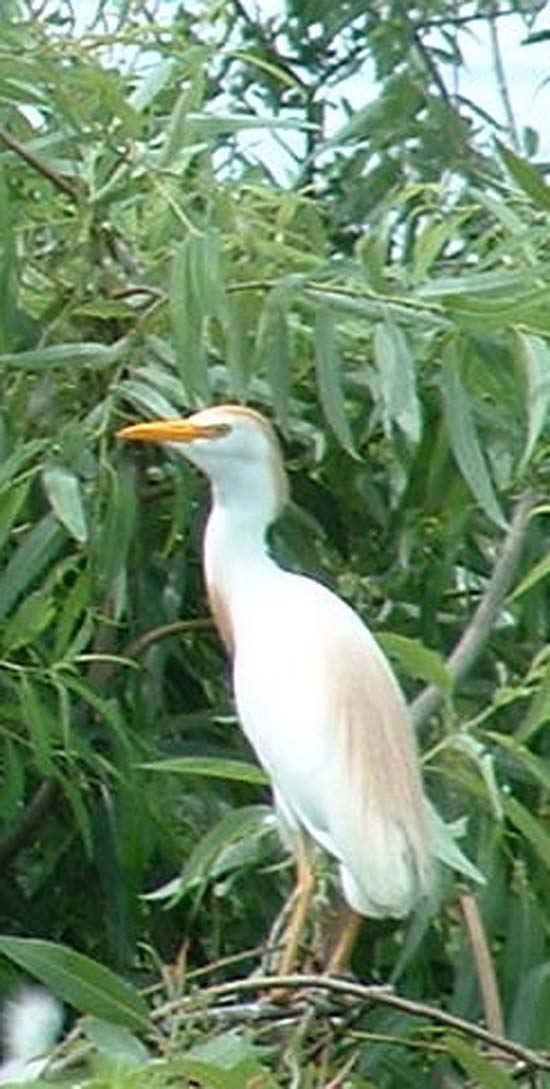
(339, 958)
(303, 893)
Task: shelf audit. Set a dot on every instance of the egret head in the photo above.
(235, 446)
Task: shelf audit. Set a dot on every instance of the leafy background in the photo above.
(387, 305)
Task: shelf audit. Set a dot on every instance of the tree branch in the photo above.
(164, 631)
(500, 76)
(39, 164)
(368, 994)
(477, 937)
(30, 821)
(474, 637)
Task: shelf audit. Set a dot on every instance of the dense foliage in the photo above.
(180, 226)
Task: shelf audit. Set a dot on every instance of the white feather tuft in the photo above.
(31, 1023)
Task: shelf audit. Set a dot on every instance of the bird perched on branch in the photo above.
(315, 694)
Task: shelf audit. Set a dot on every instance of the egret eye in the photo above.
(216, 431)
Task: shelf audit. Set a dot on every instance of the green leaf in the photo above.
(417, 660)
(11, 502)
(229, 1060)
(273, 348)
(154, 80)
(116, 1042)
(529, 1015)
(211, 766)
(63, 355)
(530, 827)
(537, 768)
(464, 439)
(486, 1073)
(534, 355)
(13, 783)
(30, 619)
(37, 720)
(117, 525)
(187, 313)
(146, 399)
(395, 367)
(40, 545)
(62, 488)
(539, 711)
(78, 980)
(206, 860)
(527, 177)
(329, 377)
(539, 571)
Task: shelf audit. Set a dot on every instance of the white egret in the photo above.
(315, 694)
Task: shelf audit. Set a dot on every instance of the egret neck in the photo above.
(237, 562)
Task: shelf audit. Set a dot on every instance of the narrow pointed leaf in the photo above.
(486, 1073)
(187, 316)
(395, 367)
(62, 488)
(329, 377)
(527, 176)
(534, 355)
(78, 980)
(530, 827)
(464, 438)
(35, 551)
(273, 350)
(212, 767)
(417, 660)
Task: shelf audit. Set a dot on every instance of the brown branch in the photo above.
(33, 816)
(477, 937)
(154, 635)
(368, 994)
(473, 639)
(59, 180)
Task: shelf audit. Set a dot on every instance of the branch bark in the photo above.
(376, 995)
(473, 639)
(39, 164)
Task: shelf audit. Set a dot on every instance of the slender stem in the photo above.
(375, 995)
(39, 164)
(479, 945)
(500, 76)
(475, 635)
(32, 818)
(164, 631)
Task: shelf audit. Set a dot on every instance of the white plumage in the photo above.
(315, 694)
(31, 1023)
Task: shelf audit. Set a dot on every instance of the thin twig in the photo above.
(502, 85)
(375, 995)
(165, 631)
(40, 165)
(477, 937)
(475, 635)
(31, 819)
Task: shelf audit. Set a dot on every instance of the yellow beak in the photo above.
(170, 431)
